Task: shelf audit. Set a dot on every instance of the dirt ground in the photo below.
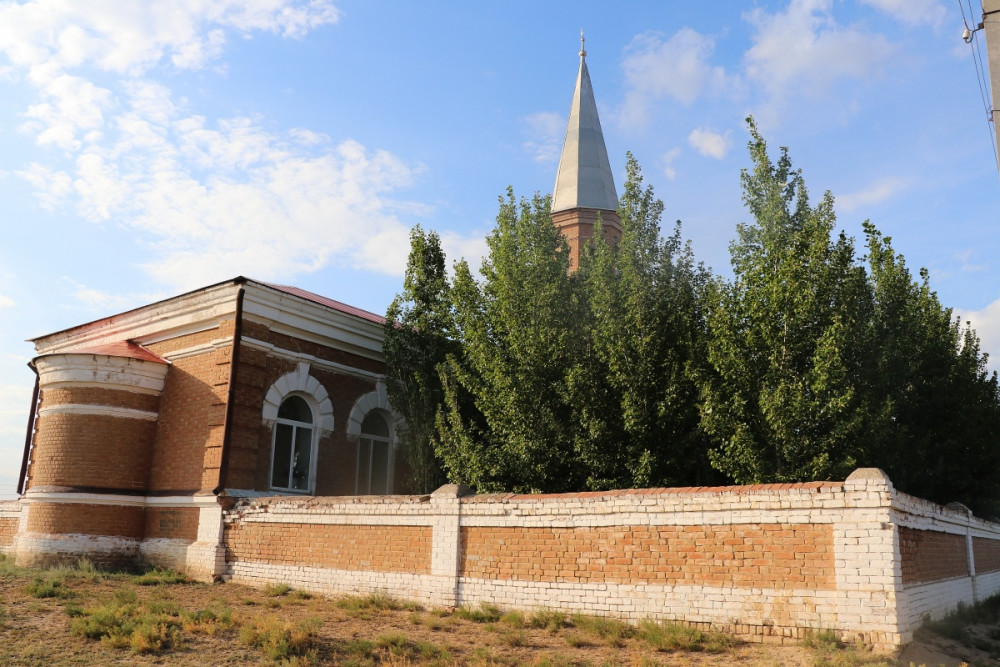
(45, 618)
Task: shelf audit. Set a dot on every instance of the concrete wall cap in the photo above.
(869, 475)
(452, 491)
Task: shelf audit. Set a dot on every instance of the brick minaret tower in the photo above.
(584, 184)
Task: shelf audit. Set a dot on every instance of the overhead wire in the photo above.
(982, 78)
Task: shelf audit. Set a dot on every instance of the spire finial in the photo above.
(583, 51)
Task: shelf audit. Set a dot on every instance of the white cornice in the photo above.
(196, 311)
(195, 350)
(100, 410)
(314, 362)
(71, 369)
(301, 318)
(121, 500)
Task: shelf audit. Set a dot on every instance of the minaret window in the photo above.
(292, 450)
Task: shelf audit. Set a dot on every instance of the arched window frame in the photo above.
(377, 401)
(299, 383)
(313, 444)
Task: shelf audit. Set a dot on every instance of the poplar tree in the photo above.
(633, 390)
(506, 424)
(786, 339)
(418, 337)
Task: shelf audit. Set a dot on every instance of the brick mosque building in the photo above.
(142, 421)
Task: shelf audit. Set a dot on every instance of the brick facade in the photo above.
(376, 548)
(92, 451)
(8, 529)
(987, 555)
(84, 519)
(930, 555)
(179, 523)
(778, 556)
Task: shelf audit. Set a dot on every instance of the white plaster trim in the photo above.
(102, 371)
(193, 351)
(121, 500)
(316, 362)
(299, 381)
(373, 400)
(299, 317)
(195, 328)
(102, 410)
(171, 318)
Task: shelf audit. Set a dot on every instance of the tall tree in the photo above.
(519, 333)
(633, 392)
(417, 340)
(938, 406)
(786, 337)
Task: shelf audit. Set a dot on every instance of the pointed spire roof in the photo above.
(584, 177)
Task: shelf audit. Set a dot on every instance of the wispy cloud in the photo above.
(545, 130)
(986, 322)
(804, 50)
(875, 193)
(912, 12)
(709, 143)
(678, 67)
(668, 162)
(208, 197)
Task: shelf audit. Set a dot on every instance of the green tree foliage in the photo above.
(632, 390)
(781, 401)
(417, 340)
(938, 406)
(641, 369)
(821, 362)
(506, 424)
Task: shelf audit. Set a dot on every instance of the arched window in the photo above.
(374, 456)
(291, 454)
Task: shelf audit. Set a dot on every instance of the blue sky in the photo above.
(151, 148)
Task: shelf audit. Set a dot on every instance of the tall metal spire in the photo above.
(584, 178)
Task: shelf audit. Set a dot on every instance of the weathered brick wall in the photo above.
(939, 549)
(187, 451)
(375, 548)
(179, 523)
(931, 555)
(90, 451)
(987, 554)
(778, 556)
(770, 561)
(86, 519)
(8, 528)
(250, 444)
(97, 396)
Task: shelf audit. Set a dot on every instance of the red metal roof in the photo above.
(329, 303)
(125, 348)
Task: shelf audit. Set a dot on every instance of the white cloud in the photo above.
(6, 302)
(132, 37)
(912, 12)
(678, 67)
(545, 130)
(875, 193)
(668, 162)
(212, 198)
(986, 322)
(51, 187)
(709, 143)
(804, 50)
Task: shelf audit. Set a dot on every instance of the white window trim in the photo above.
(299, 383)
(377, 400)
(391, 455)
(313, 447)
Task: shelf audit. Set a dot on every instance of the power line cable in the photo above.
(982, 78)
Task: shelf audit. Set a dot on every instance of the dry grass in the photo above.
(73, 616)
